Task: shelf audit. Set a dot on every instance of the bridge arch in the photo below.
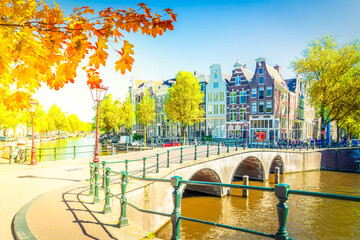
(252, 167)
(205, 175)
(277, 162)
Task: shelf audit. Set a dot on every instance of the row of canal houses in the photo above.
(248, 105)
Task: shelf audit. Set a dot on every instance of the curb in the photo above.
(20, 227)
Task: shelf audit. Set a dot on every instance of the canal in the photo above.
(308, 218)
(68, 148)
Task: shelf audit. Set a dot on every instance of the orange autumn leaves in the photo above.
(39, 45)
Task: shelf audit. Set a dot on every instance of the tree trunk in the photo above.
(322, 129)
(145, 137)
(337, 132)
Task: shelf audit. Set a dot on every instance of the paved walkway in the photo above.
(62, 209)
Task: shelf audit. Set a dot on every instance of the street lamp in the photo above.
(32, 110)
(98, 94)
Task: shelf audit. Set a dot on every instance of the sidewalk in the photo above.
(62, 210)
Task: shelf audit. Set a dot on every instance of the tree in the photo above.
(75, 123)
(39, 44)
(128, 114)
(145, 112)
(57, 119)
(332, 74)
(182, 103)
(109, 114)
(8, 119)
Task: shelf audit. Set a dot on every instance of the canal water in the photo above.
(68, 148)
(308, 217)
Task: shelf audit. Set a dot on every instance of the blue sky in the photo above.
(209, 32)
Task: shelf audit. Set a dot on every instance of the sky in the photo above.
(208, 32)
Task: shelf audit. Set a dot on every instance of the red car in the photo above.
(171, 144)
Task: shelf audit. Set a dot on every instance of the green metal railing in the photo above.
(281, 190)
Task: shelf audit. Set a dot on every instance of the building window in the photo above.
(216, 109)
(209, 97)
(202, 87)
(216, 84)
(232, 114)
(253, 107)
(261, 79)
(210, 109)
(253, 92)
(233, 98)
(285, 113)
(222, 109)
(222, 96)
(237, 80)
(261, 107)
(261, 70)
(216, 97)
(261, 93)
(242, 114)
(242, 97)
(268, 91)
(215, 75)
(268, 106)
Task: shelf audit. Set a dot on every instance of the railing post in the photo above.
(207, 150)
(74, 152)
(168, 159)
(127, 166)
(245, 182)
(107, 207)
(157, 163)
(228, 146)
(175, 215)
(91, 191)
(96, 197)
(181, 155)
(281, 192)
(195, 155)
(123, 221)
(144, 167)
(112, 149)
(236, 146)
(277, 174)
(104, 173)
(40, 155)
(218, 148)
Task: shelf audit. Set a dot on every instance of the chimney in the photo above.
(244, 66)
(278, 68)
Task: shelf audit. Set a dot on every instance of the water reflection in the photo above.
(309, 217)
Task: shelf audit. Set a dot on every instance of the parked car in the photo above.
(170, 144)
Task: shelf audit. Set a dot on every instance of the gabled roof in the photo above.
(226, 77)
(139, 82)
(278, 80)
(247, 73)
(291, 83)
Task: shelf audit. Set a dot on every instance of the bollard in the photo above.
(157, 163)
(277, 174)
(91, 191)
(281, 192)
(96, 197)
(218, 148)
(228, 146)
(245, 182)
(103, 176)
(195, 157)
(168, 159)
(112, 149)
(207, 150)
(144, 167)
(175, 215)
(123, 221)
(107, 207)
(181, 155)
(74, 152)
(126, 166)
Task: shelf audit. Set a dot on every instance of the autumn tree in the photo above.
(8, 119)
(145, 111)
(40, 45)
(109, 114)
(331, 71)
(57, 119)
(128, 114)
(182, 103)
(75, 123)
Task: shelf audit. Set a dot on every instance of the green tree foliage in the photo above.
(182, 103)
(332, 73)
(145, 112)
(75, 123)
(57, 119)
(8, 119)
(109, 114)
(128, 114)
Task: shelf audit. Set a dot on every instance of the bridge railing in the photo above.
(281, 191)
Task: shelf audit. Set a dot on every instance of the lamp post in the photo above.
(98, 94)
(32, 110)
